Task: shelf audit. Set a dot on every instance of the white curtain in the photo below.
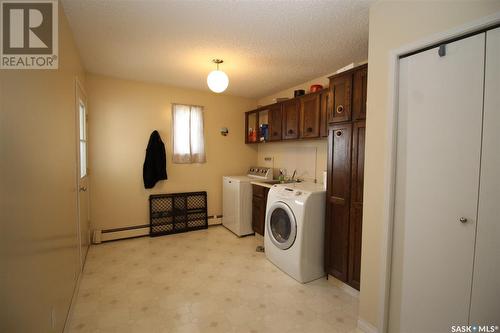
(188, 138)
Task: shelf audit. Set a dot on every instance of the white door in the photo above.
(83, 178)
(436, 193)
(485, 301)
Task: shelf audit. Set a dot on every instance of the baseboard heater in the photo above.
(108, 235)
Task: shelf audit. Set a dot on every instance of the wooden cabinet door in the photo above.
(359, 93)
(341, 88)
(290, 113)
(338, 200)
(309, 116)
(324, 111)
(275, 122)
(256, 215)
(356, 212)
(251, 124)
(259, 202)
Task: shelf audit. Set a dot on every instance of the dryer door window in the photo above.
(281, 225)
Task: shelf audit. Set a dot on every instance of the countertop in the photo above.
(261, 184)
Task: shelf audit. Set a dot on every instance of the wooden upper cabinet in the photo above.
(290, 114)
(360, 93)
(275, 122)
(310, 116)
(325, 97)
(341, 89)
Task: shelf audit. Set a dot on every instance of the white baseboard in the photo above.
(345, 287)
(366, 327)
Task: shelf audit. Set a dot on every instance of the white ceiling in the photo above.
(267, 46)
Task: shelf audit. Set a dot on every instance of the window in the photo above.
(188, 138)
(83, 140)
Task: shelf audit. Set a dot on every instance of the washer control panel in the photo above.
(261, 173)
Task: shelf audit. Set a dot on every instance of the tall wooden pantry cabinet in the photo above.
(346, 148)
(446, 248)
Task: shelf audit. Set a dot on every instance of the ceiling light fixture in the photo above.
(217, 80)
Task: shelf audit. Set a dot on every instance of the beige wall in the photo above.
(323, 80)
(38, 235)
(393, 25)
(307, 157)
(122, 116)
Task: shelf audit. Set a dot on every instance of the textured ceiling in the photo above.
(267, 46)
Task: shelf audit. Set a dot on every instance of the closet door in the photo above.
(436, 190)
(485, 306)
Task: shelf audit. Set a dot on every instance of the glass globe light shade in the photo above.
(217, 81)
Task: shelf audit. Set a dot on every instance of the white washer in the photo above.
(294, 234)
(237, 200)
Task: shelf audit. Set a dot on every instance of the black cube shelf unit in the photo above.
(173, 213)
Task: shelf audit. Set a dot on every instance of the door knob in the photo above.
(463, 220)
(83, 189)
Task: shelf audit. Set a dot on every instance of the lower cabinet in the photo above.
(259, 202)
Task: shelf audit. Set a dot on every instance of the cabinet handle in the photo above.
(463, 219)
(309, 129)
(340, 108)
(338, 133)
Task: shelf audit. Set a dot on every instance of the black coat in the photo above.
(155, 164)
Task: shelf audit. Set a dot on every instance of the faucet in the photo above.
(293, 175)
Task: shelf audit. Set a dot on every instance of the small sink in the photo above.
(273, 182)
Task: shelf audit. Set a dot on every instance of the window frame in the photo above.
(175, 159)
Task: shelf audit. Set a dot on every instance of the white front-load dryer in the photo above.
(294, 230)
